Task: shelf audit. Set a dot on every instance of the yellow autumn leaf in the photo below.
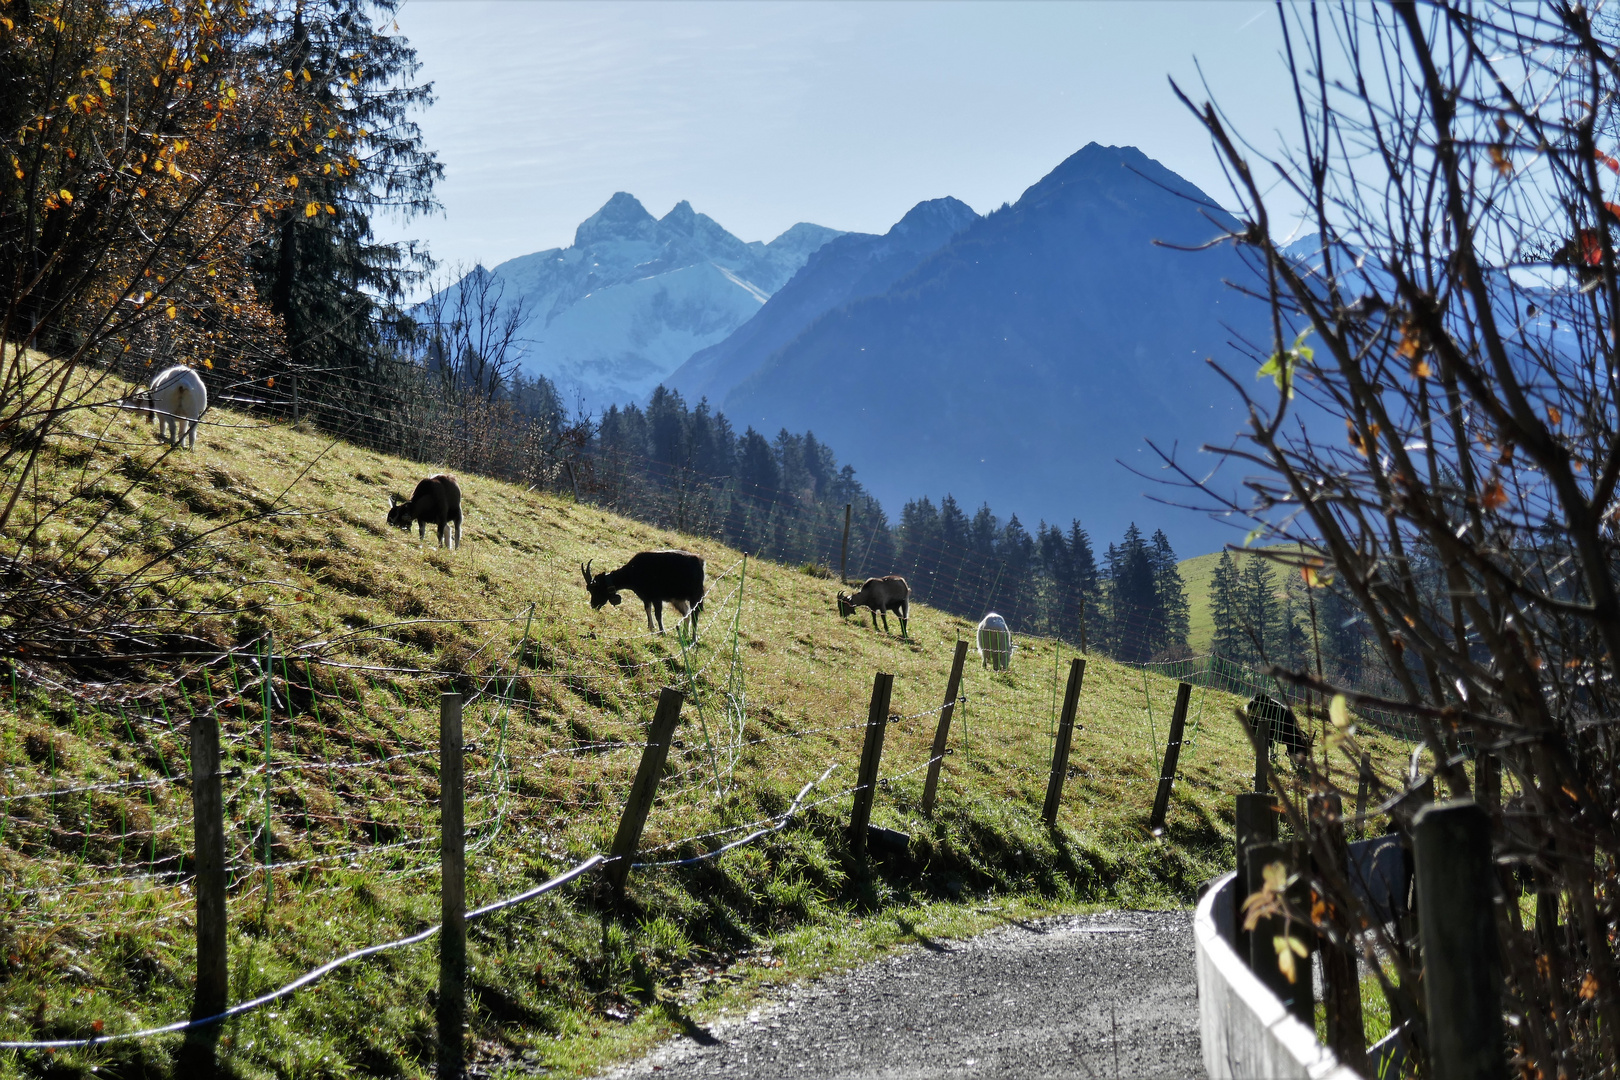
(170, 311)
(330, 209)
(1275, 876)
(311, 209)
(209, 364)
(1554, 415)
(292, 181)
(65, 195)
(1339, 711)
(1288, 947)
(1589, 987)
(106, 73)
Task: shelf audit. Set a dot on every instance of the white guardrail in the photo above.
(1247, 1033)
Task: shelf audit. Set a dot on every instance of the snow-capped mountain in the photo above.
(634, 296)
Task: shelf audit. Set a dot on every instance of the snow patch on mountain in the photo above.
(612, 315)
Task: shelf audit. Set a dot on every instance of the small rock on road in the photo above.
(1095, 996)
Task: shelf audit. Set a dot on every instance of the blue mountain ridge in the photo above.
(1024, 360)
(846, 268)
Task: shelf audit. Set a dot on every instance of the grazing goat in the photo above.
(995, 642)
(1276, 723)
(436, 501)
(658, 578)
(177, 399)
(882, 595)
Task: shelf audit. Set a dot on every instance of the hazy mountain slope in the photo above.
(635, 295)
(1019, 362)
(850, 267)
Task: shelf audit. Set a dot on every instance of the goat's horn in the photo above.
(585, 568)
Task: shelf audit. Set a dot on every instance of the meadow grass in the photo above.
(331, 766)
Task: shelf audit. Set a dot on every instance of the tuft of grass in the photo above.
(369, 625)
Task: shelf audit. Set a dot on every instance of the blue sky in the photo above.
(766, 114)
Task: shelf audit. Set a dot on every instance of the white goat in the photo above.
(995, 642)
(177, 398)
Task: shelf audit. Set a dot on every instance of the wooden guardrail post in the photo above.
(660, 734)
(1341, 982)
(1172, 756)
(877, 719)
(452, 1007)
(1065, 737)
(196, 1056)
(942, 733)
(1296, 994)
(1254, 823)
(1456, 886)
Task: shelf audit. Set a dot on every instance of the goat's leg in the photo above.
(458, 531)
(654, 606)
(874, 617)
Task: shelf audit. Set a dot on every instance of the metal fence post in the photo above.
(1065, 737)
(877, 719)
(660, 734)
(1456, 899)
(196, 1056)
(452, 891)
(1172, 756)
(936, 757)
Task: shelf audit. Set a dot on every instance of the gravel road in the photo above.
(1111, 995)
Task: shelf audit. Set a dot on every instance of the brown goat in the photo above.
(436, 501)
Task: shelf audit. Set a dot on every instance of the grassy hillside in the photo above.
(1198, 572)
(336, 754)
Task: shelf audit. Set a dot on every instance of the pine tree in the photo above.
(1171, 593)
(323, 271)
(1226, 610)
(1262, 617)
(1134, 615)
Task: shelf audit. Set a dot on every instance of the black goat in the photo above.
(1275, 722)
(436, 501)
(657, 577)
(882, 595)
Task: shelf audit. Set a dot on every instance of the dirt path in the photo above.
(1095, 996)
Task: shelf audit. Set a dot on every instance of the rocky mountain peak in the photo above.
(621, 218)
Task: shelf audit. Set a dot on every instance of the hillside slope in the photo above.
(332, 780)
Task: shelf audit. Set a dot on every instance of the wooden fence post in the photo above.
(843, 559)
(1296, 994)
(877, 719)
(1065, 736)
(660, 735)
(1456, 897)
(936, 757)
(1254, 823)
(196, 1056)
(1260, 735)
(1172, 756)
(1363, 781)
(452, 1007)
(1341, 982)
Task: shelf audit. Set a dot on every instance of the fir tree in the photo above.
(1226, 610)
(1262, 618)
(1170, 640)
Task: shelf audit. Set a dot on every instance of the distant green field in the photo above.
(1197, 572)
